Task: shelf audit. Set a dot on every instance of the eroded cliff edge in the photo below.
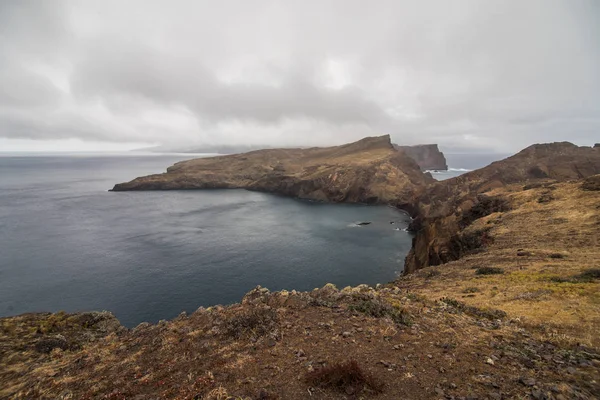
(428, 156)
(368, 171)
(445, 209)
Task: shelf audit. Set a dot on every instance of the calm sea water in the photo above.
(66, 243)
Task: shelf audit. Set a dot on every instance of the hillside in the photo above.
(444, 208)
(367, 171)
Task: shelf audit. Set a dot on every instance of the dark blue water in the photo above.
(66, 243)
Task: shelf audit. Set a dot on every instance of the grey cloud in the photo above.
(499, 74)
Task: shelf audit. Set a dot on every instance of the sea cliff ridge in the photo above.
(368, 171)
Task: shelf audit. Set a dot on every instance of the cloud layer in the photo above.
(468, 75)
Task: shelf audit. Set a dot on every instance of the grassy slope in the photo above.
(559, 240)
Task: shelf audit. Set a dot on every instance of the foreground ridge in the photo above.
(516, 316)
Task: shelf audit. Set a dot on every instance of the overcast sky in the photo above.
(481, 75)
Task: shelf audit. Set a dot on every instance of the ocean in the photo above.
(460, 163)
(67, 243)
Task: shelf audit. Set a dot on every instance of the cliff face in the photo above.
(367, 171)
(445, 209)
(428, 156)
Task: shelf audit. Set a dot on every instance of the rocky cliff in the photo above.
(445, 209)
(428, 156)
(368, 171)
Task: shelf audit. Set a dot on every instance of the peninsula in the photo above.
(369, 171)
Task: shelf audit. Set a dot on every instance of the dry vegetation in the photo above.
(541, 266)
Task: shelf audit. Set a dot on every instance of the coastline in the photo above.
(497, 301)
(438, 330)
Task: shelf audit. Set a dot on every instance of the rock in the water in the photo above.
(428, 156)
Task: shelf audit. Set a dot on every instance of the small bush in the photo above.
(347, 377)
(471, 290)
(459, 306)
(432, 272)
(546, 197)
(256, 323)
(556, 255)
(485, 206)
(558, 279)
(379, 309)
(46, 345)
(489, 271)
(467, 243)
(588, 275)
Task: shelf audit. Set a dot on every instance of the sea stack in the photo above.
(428, 156)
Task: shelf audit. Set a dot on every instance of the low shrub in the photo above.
(485, 206)
(256, 322)
(467, 243)
(459, 306)
(558, 279)
(588, 275)
(432, 272)
(379, 309)
(489, 271)
(347, 377)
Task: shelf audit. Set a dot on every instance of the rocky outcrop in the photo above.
(428, 156)
(443, 207)
(368, 171)
(592, 183)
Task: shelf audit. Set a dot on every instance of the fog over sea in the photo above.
(66, 243)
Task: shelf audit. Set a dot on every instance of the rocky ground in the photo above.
(517, 316)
